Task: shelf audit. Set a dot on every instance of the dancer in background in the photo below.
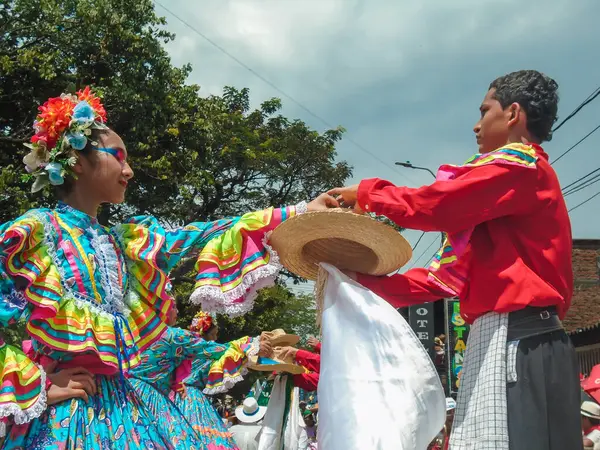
(95, 297)
(198, 377)
(159, 381)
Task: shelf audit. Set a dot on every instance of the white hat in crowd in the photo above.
(250, 412)
(591, 410)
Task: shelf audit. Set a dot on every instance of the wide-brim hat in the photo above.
(341, 238)
(273, 364)
(591, 410)
(279, 338)
(250, 411)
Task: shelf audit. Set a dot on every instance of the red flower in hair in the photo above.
(53, 120)
(201, 323)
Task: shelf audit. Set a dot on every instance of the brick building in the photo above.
(583, 319)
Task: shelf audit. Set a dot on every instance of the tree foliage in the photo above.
(274, 307)
(194, 157)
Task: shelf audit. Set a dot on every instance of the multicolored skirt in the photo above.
(115, 418)
(205, 420)
(168, 418)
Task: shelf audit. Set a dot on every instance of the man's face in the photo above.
(585, 423)
(492, 129)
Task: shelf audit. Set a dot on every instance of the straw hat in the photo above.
(279, 338)
(341, 238)
(274, 363)
(250, 411)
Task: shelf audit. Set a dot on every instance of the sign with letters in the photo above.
(457, 332)
(420, 318)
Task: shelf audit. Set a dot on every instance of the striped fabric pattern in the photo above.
(232, 266)
(22, 390)
(65, 297)
(517, 154)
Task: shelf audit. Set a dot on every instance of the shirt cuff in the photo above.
(301, 208)
(362, 196)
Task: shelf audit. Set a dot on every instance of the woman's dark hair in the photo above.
(212, 327)
(536, 93)
(65, 189)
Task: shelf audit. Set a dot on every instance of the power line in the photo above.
(587, 184)
(580, 178)
(280, 91)
(585, 201)
(576, 144)
(424, 251)
(587, 101)
(432, 256)
(420, 237)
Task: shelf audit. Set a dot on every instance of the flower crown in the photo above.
(62, 126)
(201, 323)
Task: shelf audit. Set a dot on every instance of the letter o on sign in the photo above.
(422, 311)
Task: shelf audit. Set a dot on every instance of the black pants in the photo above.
(544, 403)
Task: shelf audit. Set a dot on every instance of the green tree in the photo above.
(274, 307)
(194, 158)
(48, 47)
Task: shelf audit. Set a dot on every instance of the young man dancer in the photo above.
(508, 257)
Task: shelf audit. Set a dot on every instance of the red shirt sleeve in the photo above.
(410, 288)
(311, 361)
(307, 381)
(480, 194)
(318, 348)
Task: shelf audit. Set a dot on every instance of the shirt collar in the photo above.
(74, 215)
(539, 151)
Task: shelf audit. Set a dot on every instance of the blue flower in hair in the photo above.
(54, 171)
(77, 140)
(83, 113)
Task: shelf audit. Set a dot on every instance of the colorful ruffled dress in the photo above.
(155, 380)
(97, 297)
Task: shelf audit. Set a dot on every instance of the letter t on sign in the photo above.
(420, 319)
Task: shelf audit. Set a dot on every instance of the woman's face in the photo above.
(104, 173)
(212, 334)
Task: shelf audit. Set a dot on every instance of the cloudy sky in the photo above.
(405, 78)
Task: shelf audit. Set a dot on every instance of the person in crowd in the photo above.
(311, 425)
(249, 416)
(309, 380)
(590, 424)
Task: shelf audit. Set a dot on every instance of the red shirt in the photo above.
(589, 430)
(312, 362)
(519, 253)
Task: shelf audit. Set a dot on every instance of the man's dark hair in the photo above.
(536, 93)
